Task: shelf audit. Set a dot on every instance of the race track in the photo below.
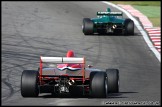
(32, 29)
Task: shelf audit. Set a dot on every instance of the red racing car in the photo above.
(69, 76)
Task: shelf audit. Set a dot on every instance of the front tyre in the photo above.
(29, 83)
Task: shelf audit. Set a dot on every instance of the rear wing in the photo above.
(62, 60)
(110, 13)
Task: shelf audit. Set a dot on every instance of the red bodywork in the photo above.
(74, 65)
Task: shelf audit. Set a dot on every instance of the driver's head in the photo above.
(70, 53)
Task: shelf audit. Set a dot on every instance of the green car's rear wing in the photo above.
(110, 13)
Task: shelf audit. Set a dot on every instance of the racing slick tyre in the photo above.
(29, 83)
(87, 26)
(129, 27)
(98, 85)
(113, 80)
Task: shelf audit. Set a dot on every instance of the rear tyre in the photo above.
(87, 26)
(129, 27)
(29, 83)
(113, 80)
(98, 84)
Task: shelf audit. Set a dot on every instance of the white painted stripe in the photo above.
(157, 43)
(154, 34)
(146, 27)
(158, 47)
(152, 29)
(156, 40)
(146, 23)
(145, 36)
(153, 37)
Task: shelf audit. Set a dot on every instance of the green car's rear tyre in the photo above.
(87, 26)
(128, 27)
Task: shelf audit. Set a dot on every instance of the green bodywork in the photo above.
(108, 19)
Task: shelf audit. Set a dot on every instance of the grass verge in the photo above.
(149, 8)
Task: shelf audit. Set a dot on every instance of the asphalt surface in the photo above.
(32, 29)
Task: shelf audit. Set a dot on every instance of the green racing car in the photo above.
(108, 22)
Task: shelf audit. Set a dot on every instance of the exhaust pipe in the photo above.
(71, 82)
(114, 26)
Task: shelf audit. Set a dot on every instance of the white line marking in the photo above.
(154, 34)
(152, 29)
(158, 46)
(157, 37)
(157, 43)
(145, 36)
